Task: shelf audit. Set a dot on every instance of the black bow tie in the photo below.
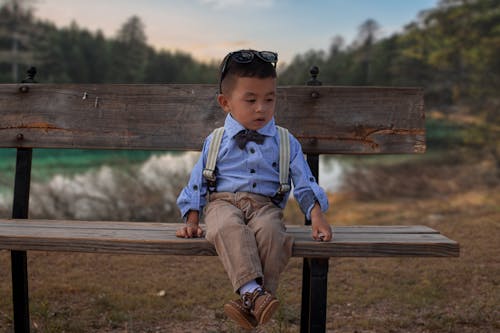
(244, 136)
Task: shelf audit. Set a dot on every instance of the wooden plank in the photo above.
(163, 231)
(173, 224)
(385, 229)
(151, 238)
(326, 119)
(378, 248)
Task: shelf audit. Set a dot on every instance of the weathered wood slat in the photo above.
(360, 120)
(159, 238)
(171, 224)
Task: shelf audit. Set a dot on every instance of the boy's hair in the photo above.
(234, 69)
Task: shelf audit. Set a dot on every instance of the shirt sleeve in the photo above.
(306, 189)
(193, 196)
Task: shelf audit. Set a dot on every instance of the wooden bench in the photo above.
(325, 119)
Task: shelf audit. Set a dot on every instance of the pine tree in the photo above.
(16, 33)
(129, 53)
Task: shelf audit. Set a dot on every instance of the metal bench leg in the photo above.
(19, 262)
(20, 291)
(315, 271)
(314, 294)
(306, 299)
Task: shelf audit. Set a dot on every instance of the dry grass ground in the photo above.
(112, 293)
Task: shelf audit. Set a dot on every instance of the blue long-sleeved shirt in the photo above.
(253, 169)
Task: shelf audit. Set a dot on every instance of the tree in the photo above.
(72, 54)
(129, 52)
(16, 32)
(366, 39)
(297, 72)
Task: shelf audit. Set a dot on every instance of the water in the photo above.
(331, 172)
(147, 192)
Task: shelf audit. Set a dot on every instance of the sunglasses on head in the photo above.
(245, 57)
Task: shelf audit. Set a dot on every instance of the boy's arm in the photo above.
(306, 191)
(192, 196)
(311, 197)
(192, 227)
(191, 200)
(321, 230)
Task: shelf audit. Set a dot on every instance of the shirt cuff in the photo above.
(307, 203)
(309, 200)
(309, 210)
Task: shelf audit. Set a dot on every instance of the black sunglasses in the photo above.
(245, 57)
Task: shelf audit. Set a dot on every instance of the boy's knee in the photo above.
(270, 228)
(224, 227)
(270, 222)
(272, 234)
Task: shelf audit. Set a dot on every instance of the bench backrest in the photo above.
(325, 119)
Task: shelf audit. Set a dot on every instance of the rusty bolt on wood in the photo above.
(20, 137)
(24, 89)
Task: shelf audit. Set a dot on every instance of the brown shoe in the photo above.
(262, 304)
(241, 314)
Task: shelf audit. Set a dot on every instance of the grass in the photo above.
(75, 292)
(421, 295)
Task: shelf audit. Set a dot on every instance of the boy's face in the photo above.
(251, 101)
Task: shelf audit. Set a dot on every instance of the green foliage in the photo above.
(129, 53)
(443, 134)
(15, 38)
(75, 55)
(451, 50)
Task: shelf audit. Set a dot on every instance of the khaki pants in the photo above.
(249, 235)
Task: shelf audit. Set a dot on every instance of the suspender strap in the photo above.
(213, 151)
(284, 160)
(284, 163)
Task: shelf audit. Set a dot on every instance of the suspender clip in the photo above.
(284, 188)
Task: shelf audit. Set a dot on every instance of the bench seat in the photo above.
(159, 238)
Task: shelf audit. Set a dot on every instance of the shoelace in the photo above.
(249, 298)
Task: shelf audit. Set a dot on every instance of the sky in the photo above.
(209, 29)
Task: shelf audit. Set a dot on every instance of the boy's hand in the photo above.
(321, 230)
(191, 228)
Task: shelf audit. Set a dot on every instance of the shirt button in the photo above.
(311, 179)
(252, 171)
(274, 164)
(254, 185)
(195, 187)
(252, 150)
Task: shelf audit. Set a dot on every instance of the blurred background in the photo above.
(451, 48)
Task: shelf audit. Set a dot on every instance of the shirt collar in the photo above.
(232, 127)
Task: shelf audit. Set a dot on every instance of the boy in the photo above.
(243, 211)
